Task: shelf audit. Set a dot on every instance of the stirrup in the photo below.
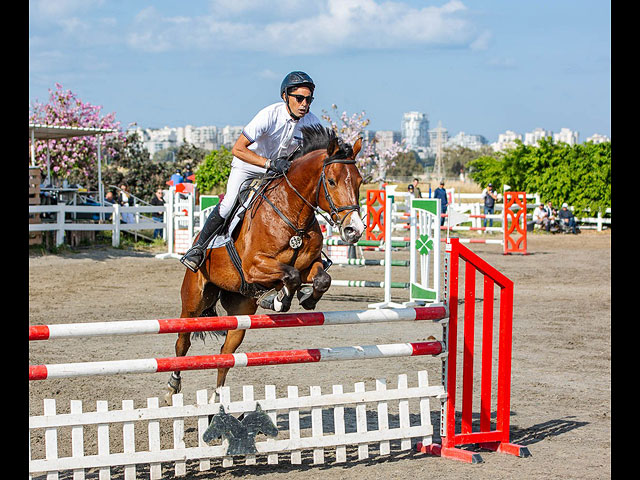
(188, 261)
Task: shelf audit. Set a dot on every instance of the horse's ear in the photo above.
(356, 147)
(333, 146)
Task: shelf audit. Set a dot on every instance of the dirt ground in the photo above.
(561, 369)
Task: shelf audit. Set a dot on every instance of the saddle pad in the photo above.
(224, 237)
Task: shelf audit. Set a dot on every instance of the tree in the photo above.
(73, 159)
(213, 172)
(132, 166)
(579, 175)
(456, 158)
(373, 163)
(405, 164)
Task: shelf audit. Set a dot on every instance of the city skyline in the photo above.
(478, 67)
(211, 137)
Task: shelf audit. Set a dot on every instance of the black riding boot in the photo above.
(195, 256)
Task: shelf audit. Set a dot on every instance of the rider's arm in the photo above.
(241, 151)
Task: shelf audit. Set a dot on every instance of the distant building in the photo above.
(206, 137)
(202, 137)
(229, 135)
(532, 138)
(415, 130)
(597, 138)
(566, 135)
(506, 140)
(433, 136)
(461, 139)
(386, 138)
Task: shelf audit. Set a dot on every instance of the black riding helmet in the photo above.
(296, 79)
(293, 80)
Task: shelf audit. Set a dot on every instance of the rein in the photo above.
(334, 222)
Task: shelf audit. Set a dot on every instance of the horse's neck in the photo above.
(305, 175)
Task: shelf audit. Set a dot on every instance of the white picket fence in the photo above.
(116, 225)
(293, 436)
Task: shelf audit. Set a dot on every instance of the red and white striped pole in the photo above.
(251, 359)
(237, 322)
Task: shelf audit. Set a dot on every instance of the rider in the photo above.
(264, 145)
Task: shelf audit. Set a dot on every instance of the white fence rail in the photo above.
(116, 225)
(351, 425)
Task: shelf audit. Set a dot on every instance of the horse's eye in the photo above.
(331, 182)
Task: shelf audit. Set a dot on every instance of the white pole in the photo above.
(413, 219)
(33, 147)
(100, 186)
(60, 224)
(115, 238)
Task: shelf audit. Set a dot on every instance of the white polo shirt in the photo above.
(274, 134)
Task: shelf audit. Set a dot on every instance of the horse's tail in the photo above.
(217, 334)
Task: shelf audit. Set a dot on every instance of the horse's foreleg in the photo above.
(234, 304)
(175, 381)
(320, 280)
(196, 294)
(283, 277)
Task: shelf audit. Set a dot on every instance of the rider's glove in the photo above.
(279, 165)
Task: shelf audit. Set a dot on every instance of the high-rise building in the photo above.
(532, 138)
(566, 135)
(506, 140)
(415, 130)
(386, 138)
(461, 139)
(433, 136)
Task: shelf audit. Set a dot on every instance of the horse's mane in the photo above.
(317, 137)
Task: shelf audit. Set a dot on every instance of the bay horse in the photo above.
(279, 242)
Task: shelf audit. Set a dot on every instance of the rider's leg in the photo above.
(195, 256)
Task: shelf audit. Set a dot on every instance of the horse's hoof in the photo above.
(278, 301)
(305, 298)
(174, 386)
(266, 300)
(168, 397)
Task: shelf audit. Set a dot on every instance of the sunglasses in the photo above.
(301, 98)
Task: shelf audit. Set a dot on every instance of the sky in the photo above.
(480, 67)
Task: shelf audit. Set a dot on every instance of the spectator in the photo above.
(125, 199)
(109, 200)
(157, 201)
(566, 219)
(551, 215)
(441, 193)
(489, 197)
(416, 189)
(540, 217)
(177, 177)
(187, 174)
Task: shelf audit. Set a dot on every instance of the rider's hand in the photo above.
(279, 165)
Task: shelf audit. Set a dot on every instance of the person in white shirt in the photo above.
(540, 216)
(264, 145)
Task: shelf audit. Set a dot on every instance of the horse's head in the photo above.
(339, 186)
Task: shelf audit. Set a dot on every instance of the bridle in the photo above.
(334, 218)
(334, 210)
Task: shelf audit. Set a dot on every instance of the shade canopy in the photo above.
(49, 132)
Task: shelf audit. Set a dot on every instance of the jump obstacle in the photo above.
(456, 390)
(514, 220)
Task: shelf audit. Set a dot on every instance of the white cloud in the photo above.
(289, 27)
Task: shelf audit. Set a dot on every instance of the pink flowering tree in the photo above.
(73, 159)
(373, 162)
